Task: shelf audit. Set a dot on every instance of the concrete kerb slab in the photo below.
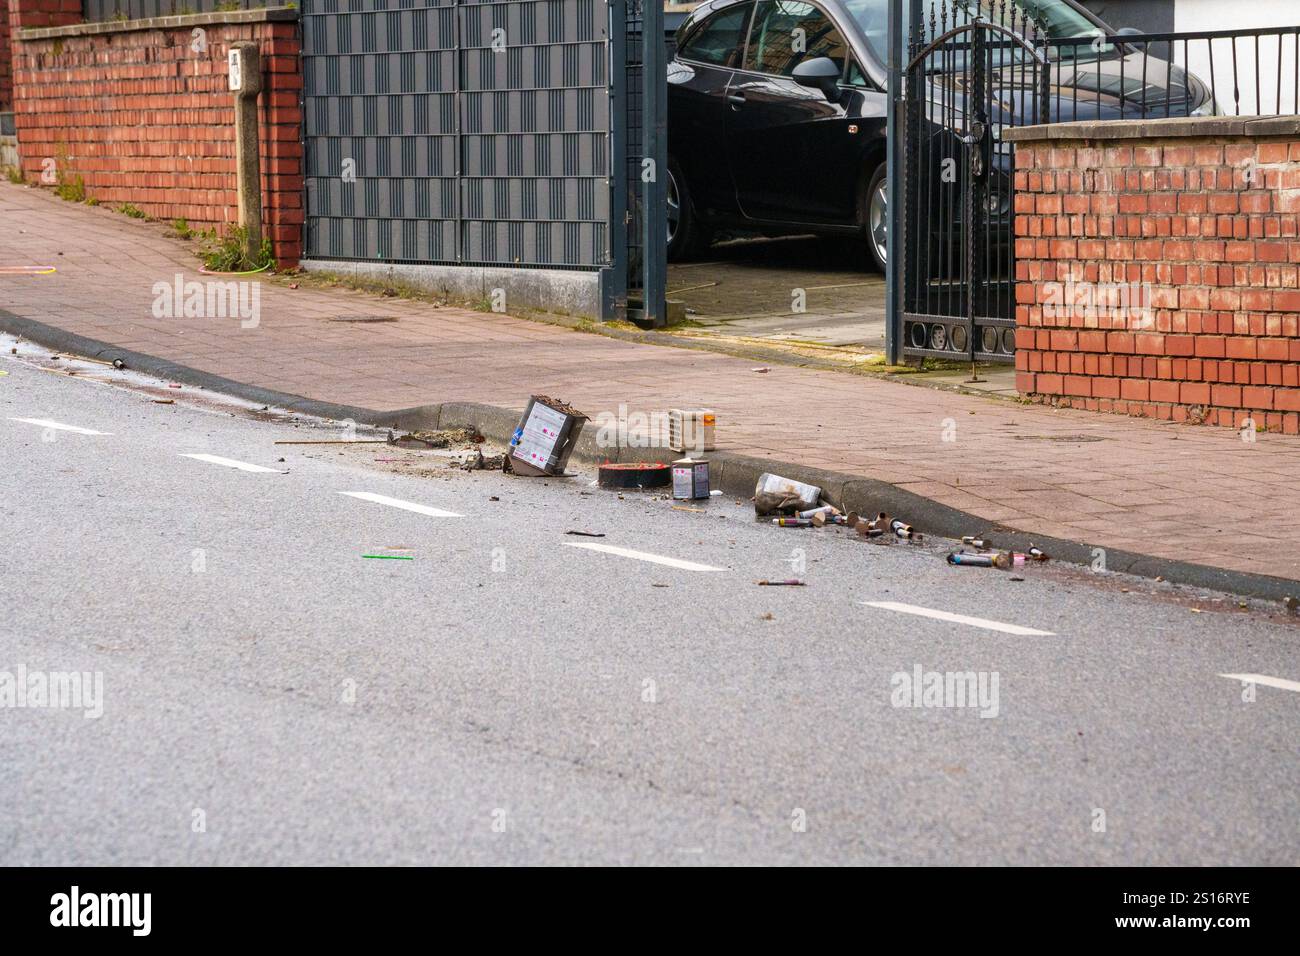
(734, 474)
(494, 423)
(575, 292)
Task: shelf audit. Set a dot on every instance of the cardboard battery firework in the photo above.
(545, 438)
(690, 479)
(633, 474)
(691, 430)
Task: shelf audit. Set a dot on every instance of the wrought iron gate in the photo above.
(970, 72)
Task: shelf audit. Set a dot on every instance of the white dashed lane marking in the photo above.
(231, 463)
(58, 426)
(644, 556)
(958, 618)
(1279, 682)
(399, 503)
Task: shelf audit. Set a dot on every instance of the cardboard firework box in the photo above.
(545, 438)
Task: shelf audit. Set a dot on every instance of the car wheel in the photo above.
(875, 217)
(687, 236)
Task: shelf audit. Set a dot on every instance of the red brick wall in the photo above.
(145, 119)
(1159, 277)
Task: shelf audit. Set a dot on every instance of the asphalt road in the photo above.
(270, 695)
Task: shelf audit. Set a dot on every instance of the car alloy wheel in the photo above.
(674, 207)
(878, 219)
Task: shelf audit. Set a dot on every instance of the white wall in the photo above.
(1205, 15)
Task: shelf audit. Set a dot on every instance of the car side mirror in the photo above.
(819, 73)
(1130, 32)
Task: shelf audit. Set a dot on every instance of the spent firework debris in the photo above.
(634, 475)
(966, 559)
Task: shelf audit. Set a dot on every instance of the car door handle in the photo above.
(736, 99)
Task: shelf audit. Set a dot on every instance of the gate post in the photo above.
(614, 276)
(245, 81)
(654, 123)
(976, 171)
(893, 177)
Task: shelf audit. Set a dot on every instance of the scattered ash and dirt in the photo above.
(438, 439)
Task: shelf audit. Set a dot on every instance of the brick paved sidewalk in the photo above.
(1185, 492)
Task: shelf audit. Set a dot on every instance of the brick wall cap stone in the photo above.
(183, 21)
(1177, 127)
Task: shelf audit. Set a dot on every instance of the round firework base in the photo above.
(634, 475)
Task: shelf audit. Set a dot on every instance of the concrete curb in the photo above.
(734, 474)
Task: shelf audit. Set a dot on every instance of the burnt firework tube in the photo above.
(971, 560)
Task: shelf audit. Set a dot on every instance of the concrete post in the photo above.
(245, 65)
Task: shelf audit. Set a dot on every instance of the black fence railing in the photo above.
(1253, 72)
(973, 72)
(101, 11)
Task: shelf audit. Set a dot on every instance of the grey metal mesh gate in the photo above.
(469, 132)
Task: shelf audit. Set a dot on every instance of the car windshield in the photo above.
(1057, 17)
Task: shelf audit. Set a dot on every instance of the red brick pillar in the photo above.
(43, 13)
(16, 14)
(27, 13)
(6, 61)
(20, 14)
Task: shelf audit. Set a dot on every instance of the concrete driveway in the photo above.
(754, 288)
